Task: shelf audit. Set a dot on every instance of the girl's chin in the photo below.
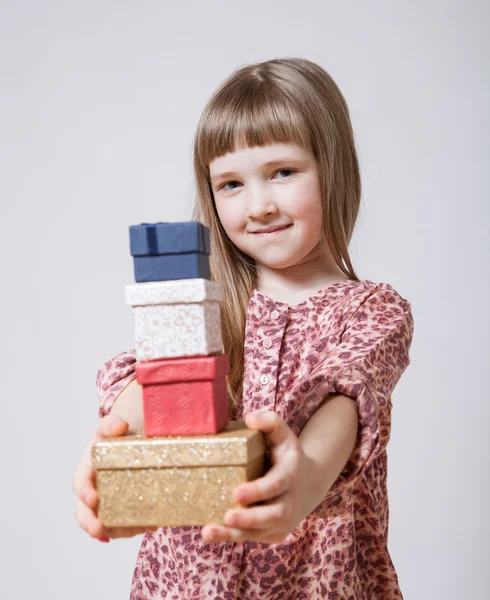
(273, 259)
(269, 263)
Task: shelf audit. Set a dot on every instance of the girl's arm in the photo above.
(328, 440)
(303, 471)
(118, 389)
(335, 424)
(129, 405)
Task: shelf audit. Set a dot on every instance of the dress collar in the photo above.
(310, 302)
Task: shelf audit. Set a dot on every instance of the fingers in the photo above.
(267, 516)
(272, 424)
(217, 533)
(274, 483)
(88, 521)
(269, 523)
(84, 486)
(110, 426)
(83, 483)
(84, 480)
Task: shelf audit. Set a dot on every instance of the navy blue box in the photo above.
(166, 267)
(152, 239)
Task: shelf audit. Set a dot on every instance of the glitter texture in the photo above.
(183, 480)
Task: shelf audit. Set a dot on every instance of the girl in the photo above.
(315, 354)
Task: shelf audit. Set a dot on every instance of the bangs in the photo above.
(253, 118)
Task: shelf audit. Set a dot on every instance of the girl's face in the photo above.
(269, 202)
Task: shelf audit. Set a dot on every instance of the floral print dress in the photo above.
(352, 338)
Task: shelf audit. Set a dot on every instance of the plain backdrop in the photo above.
(98, 105)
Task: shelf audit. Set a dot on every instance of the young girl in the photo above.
(315, 354)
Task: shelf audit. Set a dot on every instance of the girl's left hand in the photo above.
(285, 488)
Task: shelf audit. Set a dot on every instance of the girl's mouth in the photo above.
(272, 233)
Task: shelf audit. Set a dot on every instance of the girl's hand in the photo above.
(84, 486)
(284, 488)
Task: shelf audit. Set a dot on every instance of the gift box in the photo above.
(176, 318)
(150, 239)
(185, 396)
(169, 251)
(177, 481)
(168, 267)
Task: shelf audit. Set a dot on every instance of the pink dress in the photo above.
(352, 337)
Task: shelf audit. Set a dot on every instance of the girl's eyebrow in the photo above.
(271, 163)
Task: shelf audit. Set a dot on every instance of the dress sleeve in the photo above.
(112, 378)
(370, 358)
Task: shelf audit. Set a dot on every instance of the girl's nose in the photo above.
(260, 202)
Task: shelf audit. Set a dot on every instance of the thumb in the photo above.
(272, 424)
(110, 426)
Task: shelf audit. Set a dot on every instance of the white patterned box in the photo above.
(176, 318)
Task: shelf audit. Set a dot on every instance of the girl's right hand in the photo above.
(84, 486)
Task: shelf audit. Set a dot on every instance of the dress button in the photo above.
(267, 343)
(264, 380)
(275, 314)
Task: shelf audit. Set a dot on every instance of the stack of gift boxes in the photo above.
(182, 470)
(177, 330)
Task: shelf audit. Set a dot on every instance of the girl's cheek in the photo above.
(302, 200)
(231, 220)
(225, 212)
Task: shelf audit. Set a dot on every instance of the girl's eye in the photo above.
(231, 185)
(223, 187)
(288, 172)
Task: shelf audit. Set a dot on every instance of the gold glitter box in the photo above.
(175, 480)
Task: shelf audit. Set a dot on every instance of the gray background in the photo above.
(99, 102)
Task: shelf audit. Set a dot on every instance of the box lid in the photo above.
(192, 368)
(234, 445)
(150, 239)
(177, 291)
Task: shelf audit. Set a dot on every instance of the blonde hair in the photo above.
(277, 101)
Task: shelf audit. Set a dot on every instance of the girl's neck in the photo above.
(292, 285)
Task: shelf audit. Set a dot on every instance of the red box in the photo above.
(184, 396)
